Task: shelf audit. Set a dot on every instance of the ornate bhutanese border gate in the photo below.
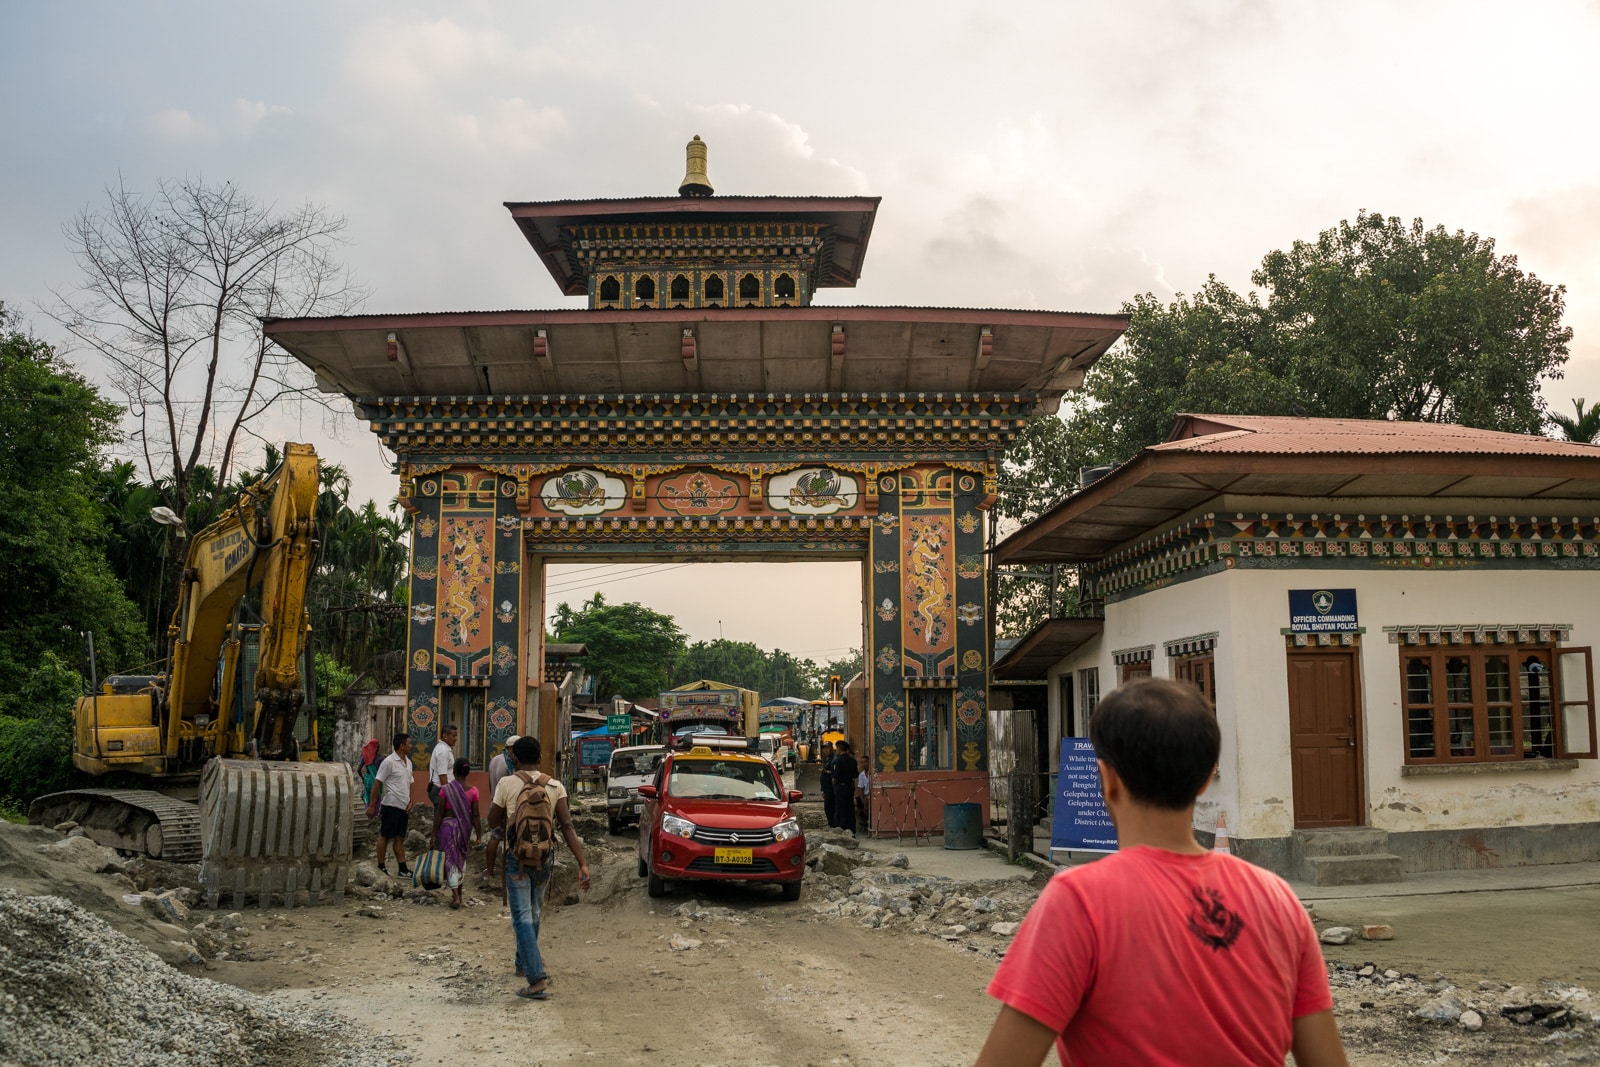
(701, 408)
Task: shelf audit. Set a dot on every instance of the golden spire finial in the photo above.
(695, 181)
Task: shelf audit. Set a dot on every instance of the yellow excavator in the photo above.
(226, 711)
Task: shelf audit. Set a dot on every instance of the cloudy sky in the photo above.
(1041, 155)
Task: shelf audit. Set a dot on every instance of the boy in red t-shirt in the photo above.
(1164, 952)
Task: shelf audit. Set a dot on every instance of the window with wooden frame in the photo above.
(1127, 672)
(1497, 703)
(1200, 672)
(1089, 687)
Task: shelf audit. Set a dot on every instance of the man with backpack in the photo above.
(529, 806)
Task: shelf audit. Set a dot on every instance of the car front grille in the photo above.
(711, 835)
(705, 864)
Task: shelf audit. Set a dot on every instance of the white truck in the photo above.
(629, 769)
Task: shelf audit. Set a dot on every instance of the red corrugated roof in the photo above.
(1290, 435)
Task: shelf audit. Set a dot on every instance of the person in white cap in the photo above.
(499, 767)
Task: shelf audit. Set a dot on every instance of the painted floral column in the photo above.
(928, 655)
(463, 642)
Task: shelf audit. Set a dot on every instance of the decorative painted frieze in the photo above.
(1196, 645)
(1217, 541)
(1480, 633)
(909, 427)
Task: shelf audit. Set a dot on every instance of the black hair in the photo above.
(1161, 738)
(448, 728)
(400, 739)
(841, 743)
(526, 750)
(462, 768)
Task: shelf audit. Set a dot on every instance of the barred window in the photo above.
(1497, 703)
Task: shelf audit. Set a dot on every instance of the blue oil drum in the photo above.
(963, 825)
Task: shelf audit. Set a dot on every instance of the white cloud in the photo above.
(414, 59)
(174, 124)
(248, 114)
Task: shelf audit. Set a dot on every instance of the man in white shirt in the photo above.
(499, 767)
(443, 758)
(391, 802)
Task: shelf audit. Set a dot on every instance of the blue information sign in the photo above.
(1323, 611)
(1081, 823)
(594, 751)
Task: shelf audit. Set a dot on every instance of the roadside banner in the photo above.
(1081, 823)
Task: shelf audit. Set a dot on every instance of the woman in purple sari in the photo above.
(456, 826)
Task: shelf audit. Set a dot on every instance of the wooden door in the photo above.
(1325, 738)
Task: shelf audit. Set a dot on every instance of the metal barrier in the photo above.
(1019, 802)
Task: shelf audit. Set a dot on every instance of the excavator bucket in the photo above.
(276, 828)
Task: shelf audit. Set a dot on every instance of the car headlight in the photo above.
(786, 830)
(617, 792)
(671, 824)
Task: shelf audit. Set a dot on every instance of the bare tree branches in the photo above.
(173, 290)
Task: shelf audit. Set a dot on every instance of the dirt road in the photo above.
(886, 969)
(766, 982)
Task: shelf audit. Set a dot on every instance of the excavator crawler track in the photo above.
(131, 820)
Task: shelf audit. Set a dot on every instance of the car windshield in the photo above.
(715, 779)
(636, 763)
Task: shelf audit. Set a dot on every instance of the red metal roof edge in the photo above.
(1130, 471)
(528, 214)
(1379, 437)
(695, 205)
(813, 312)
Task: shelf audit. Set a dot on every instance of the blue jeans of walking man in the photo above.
(527, 905)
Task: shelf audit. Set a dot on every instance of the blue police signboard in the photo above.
(1323, 611)
(1081, 823)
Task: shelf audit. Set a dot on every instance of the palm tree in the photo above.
(1584, 428)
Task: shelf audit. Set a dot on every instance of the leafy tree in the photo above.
(631, 649)
(1584, 428)
(1384, 320)
(54, 428)
(744, 664)
(36, 730)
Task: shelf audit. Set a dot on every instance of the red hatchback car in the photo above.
(720, 815)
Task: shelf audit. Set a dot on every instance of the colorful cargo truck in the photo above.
(710, 707)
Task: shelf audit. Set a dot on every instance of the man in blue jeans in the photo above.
(523, 892)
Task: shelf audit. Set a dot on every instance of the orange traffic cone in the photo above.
(1220, 843)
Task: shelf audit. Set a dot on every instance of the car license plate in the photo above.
(735, 855)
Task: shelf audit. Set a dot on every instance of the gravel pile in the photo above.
(74, 991)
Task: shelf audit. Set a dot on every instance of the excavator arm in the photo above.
(266, 538)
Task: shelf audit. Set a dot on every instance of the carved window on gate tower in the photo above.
(714, 289)
(610, 290)
(680, 288)
(644, 289)
(1497, 703)
(750, 288)
(783, 288)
